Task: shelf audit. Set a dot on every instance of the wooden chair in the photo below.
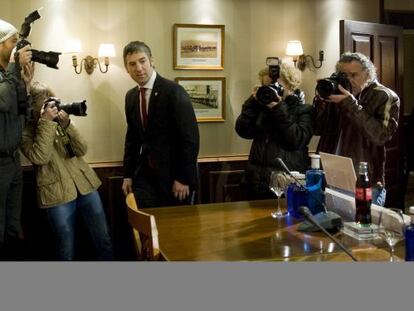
(145, 232)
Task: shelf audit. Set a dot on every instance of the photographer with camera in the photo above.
(358, 117)
(14, 101)
(66, 184)
(280, 124)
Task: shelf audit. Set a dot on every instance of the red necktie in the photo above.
(144, 115)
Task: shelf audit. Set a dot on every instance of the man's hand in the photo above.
(24, 55)
(337, 98)
(127, 186)
(180, 191)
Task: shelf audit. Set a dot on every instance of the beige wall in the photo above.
(255, 29)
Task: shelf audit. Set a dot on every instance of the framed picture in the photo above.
(208, 96)
(198, 46)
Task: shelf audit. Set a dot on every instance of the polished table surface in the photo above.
(245, 231)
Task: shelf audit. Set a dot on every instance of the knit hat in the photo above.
(6, 30)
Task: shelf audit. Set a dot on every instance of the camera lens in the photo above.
(266, 95)
(75, 108)
(325, 88)
(49, 59)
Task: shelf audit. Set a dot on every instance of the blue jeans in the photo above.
(378, 195)
(62, 221)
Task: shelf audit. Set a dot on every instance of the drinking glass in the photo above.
(278, 184)
(391, 228)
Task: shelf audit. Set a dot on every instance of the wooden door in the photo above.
(383, 44)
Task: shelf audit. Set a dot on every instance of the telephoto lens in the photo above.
(267, 94)
(329, 86)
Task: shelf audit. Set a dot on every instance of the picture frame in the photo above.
(208, 96)
(198, 47)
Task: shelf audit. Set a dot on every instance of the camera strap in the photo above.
(66, 141)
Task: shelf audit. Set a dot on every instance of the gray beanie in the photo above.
(6, 30)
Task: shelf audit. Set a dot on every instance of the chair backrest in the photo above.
(145, 232)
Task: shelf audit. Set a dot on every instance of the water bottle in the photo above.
(315, 183)
(409, 237)
(296, 195)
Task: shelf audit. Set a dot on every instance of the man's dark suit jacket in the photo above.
(171, 140)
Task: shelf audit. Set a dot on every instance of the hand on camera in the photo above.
(49, 111)
(337, 98)
(272, 104)
(63, 118)
(24, 55)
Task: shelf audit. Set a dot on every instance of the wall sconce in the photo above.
(106, 50)
(294, 48)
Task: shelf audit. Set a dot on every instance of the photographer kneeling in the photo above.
(66, 184)
(280, 125)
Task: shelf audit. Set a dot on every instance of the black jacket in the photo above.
(171, 139)
(360, 128)
(283, 131)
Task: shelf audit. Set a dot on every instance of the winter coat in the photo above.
(283, 131)
(59, 177)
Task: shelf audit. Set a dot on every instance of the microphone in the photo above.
(309, 217)
(327, 219)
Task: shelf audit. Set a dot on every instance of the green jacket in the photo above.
(58, 177)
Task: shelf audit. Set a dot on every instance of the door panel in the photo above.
(363, 44)
(383, 44)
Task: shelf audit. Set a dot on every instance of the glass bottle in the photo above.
(363, 196)
(315, 183)
(409, 237)
(296, 195)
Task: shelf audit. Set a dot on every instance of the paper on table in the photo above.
(339, 171)
(313, 144)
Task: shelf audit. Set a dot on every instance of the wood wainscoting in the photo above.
(219, 181)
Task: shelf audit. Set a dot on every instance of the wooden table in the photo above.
(245, 231)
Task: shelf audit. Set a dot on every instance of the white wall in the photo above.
(255, 29)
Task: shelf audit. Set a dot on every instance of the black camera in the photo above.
(49, 59)
(329, 86)
(274, 68)
(76, 108)
(267, 94)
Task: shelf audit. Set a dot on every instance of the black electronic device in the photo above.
(309, 217)
(50, 58)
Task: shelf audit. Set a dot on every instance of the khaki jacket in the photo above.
(58, 177)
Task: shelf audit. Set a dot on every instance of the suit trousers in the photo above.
(149, 192)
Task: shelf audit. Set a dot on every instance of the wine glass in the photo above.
(278, 183)
(391, 227)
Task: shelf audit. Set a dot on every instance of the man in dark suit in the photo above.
(162, 139)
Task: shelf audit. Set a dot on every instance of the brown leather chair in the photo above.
(145, 232)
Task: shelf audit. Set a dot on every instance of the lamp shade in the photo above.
(106, 50)
(294, 48)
